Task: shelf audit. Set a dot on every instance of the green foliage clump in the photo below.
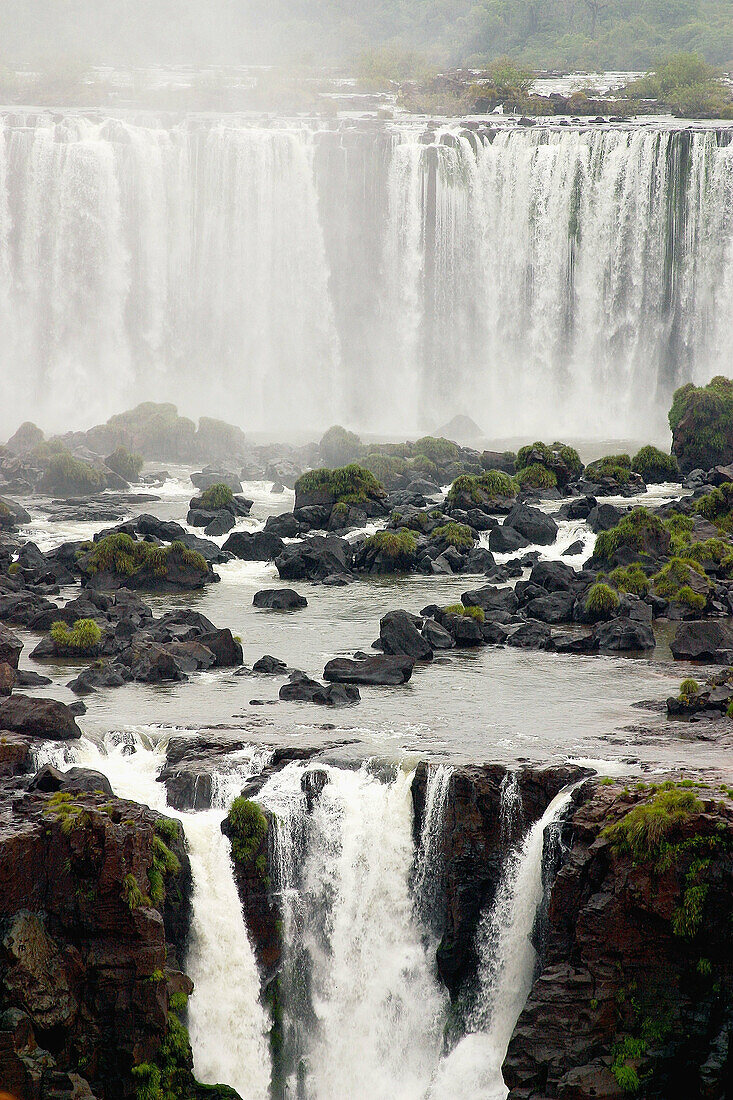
(643, 831)
(536, 477)
(400, 546)
(672, 582)
(132, 895)
(125, 464)
(455, 534)
(476, 613)
(216, 497)
(85, 636)
(386, 468)
(688, 85)
(338, 446)
(481, 488)
(169, 829)
(630, 578)
(615, 467)
(631, 531)
(717, 506)
(695, 600)
(248, 827)
(541, 454)
(441, 451)
(68, 474)
(125, 556)
(165, 863)
(601, 600)
(346, 484)
(688, 688)
(629, 1049)
(700, 419)
(655, 466)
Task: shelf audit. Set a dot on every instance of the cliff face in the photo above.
(94, 913)
(635, 991)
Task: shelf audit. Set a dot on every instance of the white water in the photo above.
(286, 275)
(227, 1025)
(429, 860)
(506, 966)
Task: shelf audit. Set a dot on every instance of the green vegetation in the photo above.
(686, 84)
(126, 556)
(454, 534)
(400, 546)
(440, 451)
(615, 467)
(630, 578)
(635, 530)
(688, 688)
(717, 506)
(673, 582)
(338, 446)
(536, 477)
(701, 419)
(655, 466)
(84, 636)
(216, 497)
(482, 488)
(629, 1049)
(645, 830)
(476, 613)
(67, 810)
(169, 829)
(165, 863)
(557, 456)
(601, 600)
(248, 826)
(386, 468)
(125, 464)
(132, 895)
(64, 473)
(346, 484)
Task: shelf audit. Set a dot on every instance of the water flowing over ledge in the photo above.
(290, 275)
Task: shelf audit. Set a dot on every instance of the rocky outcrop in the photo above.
(635, 986)
(38, 718)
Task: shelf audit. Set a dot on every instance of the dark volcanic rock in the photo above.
(700, 641)
(490, 598)
(10, 647)
(536, 526)
(314, 559)
(269, 666)
(279, 599)
(301, 689)
(43, 718)
(621, 634)
(505, 540)
(371, 670)
(257, 546)
(401, 637)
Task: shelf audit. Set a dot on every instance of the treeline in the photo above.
(543, 34)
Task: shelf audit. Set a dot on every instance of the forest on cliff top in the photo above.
(569, 34)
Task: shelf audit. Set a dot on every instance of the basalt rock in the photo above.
(255, 546)
(279, 599)
(534, 525)
(370, 670)
(702, 640)
(10, 647)
(314, 559)
(38, 718)
(400, 636)
(302, 689)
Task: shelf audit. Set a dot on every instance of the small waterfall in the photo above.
(369, 1020)
(511, 812)
(506, 966)
(427, 880)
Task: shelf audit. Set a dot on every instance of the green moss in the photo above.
(694, 600)
(536, 477)
(654, 465)
(672, 582)
(482, 488)
(476, 613)
(601, 600)
(346, 484)
(248, 827)
(125, 556)
(216, 497)
(439, 450)
(132, 895)
(616, 467)
(400, 546)
(455, 534)
(630, 578)
(643, 831)
(125, 464)
(14, 568)
(169, 829)
(84, 637)
(631, 531)
(629, 1049)
(700, 419)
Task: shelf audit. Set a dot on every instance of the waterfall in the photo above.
(291, 274)
(369, 1021)
(511, 811)
(427, 880)
(227, 1025)
(506, 967)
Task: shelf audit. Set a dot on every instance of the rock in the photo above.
(701, 640)
(622, 634)
(604, 516)
(557, 607)
(279, 599)
(436, 635)
(301, 689)
(254, 546)
(221, 522)
(575, 643)
(206, 478)
(400, 637)
(269, 666)
(555, 576)
(91, 679)
(10, 647)
(505, 540)
(464, 630)
(314, 559)
(26, 438)
(372, 670)
(7, 678)
(531, 635)
(50, 779)
(165, 530)
(490, 598)
(43, 718)
(285, 526)
(225, 647)
(577, 508)
(13, 513)
(534, 525)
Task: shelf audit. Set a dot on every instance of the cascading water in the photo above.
(506, 965)
(370, 1013)
(510, 806)
(427, 879)
(286, 275)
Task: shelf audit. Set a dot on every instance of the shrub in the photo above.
(125, 556)
(125, 464)
(675, 576)
(497, 484)
(346, 484)
(536, 477)
(655, 466)
(716, 506)
(84, 636)
(400, 546)
(482, 488)
(643, 831)
(386, 468)
(615, 467)
(248, 828)
(421, 464)
(68, 474)
(634, 530)
(338, 446)
(441, 451)
(630, 578)
(476, 613)
(688, 688)
(700, 419)
(216, 497)
(455, 534)
(695, 600)
(601, 600)
(540, 454)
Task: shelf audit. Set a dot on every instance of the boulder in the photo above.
(315, 558)
(7, 678)
(623, 634)
(225, 647)
(51, 779)
(464, 630)
(254, 546)
(701, 640)
(386, 669)
(44, 718)
(301, 689)
(534, 525)
(505, 540)
(279, 599)
(531, 635)
(285, 526)
(604, 516)
(14, 514)
(269, 666)
(490, 598)
(400, 637)
(436, 635)
(219, 524)
(91, 679)
(556, 607)
(10, 647)
(165, 530)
